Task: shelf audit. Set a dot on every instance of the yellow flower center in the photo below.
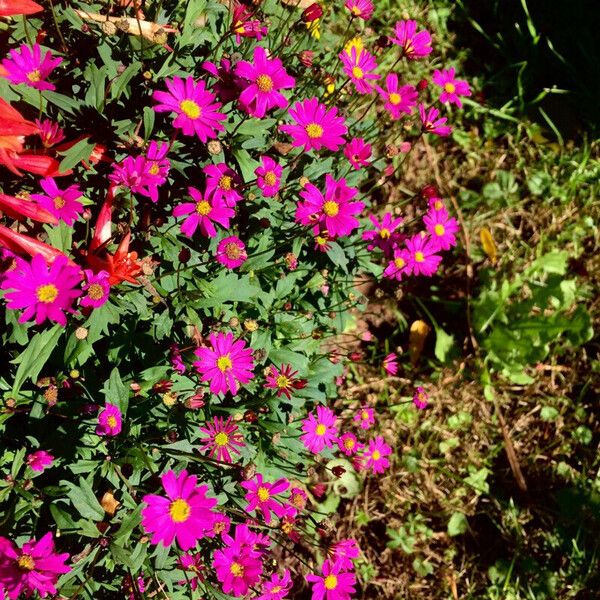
(203, 208)
(276, 589)
(221, 439)
(331, 208)
(330, 582)
(356, 11)
(419, 257)
(282, 381)
(450, 88)
(263, 494)
(357, 72)
(190, 109)
(112, 422)
(225, 182)
(264, 83)
(270, 178)
(298, 500)
(59, 202)
(95, 291)
(219, 527)
(349, 443)
(154, 169)
(395, 98)
(439, 229)
(364, 414)
(236, 569)
(180, 510)
(313, 130)
(224, 363)
(47, 293)
(385, 233)
(376, 455)
(438, 205)
(232, 251)
(34, 76)
(320, 240)
(321, 429)
(399, 262)
(25, 562)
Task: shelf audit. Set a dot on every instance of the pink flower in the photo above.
(423, 259)
(194, 564)
(109, 421)
(202, 213)
(141, 175)
(222, 437)
(430, 122)
(385, 234)
(197, 112)
(231, 252)
(297, 501)
(316, 126)
(220, 526)
(414, 45)
(334, 584)
(176, 359)
(62, 204)
(452, 88)
(26, 65)
(284, 380)
(33, 568)
(268, 176)
(398, 99)
(238, 565)
(334, 211)
(435, 203)
(228, 85)
(360, 68)
(365, 417)
(420, 398)
(260, 494)
(266, 77)
(390, 364)
(158, 166)
(277, 588)
(222, 183)
(319, 430)
(441, 228)
(348, 444)
(358, 153)
(363, 9)
(185, 515)
(226, 365)
(243, 25)
(97, 288)
(375, 455)
(44, 292)
(399, 265)
(343, 553)
(39, 460)
(50, 133)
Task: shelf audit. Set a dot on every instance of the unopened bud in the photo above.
(81, 333)
(214, 147)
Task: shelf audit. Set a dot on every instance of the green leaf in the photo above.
(443, 344)
(120, 83)
(457, 525)
(116, 392)
(74, 155)
(64, 102)
(84, 500)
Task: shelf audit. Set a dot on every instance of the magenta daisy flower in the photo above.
(343, 553)
(203, 213)
(334, 211)
(319, 430)
(297, 500)
(316, 126)
(420, 398)
(268, 176)
(243, 25)
(398, 99)
(365, 417)
(363, 9)
(358, 153)
(276, 588)
(97, 288)
(50, 132)
(399, 265)
(195, 567)
(259, 496)
(435, 203)
(63, 204)
(284, 380)
(197, 111)
(423, 259)
(348, 444)
(158, 166)
(184, 515)
(35, 567)
(227, 364)
(266, 77)
(223, 183)
(360, 68)
(375, 455)
(390, 364)
(221, 525)
(109, 421)
(231, 252)
(27, 65)
(430, 122)
(228, 85)
(44, 292)
(39, 460)
(176, 359)
(222, 438)
(442, 228)
(385, 235)
(333, 584)
(414, 44)
(452, 88)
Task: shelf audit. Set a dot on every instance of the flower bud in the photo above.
(81, 333)
(312, 13)
(250, 325)
(306, 58)
(430, 191)
(185, 255)
(214, 147)
(422, 85)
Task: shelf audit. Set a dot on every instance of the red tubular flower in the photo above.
(17, 208)
(8, 8)
(98, 153)
(23, 244)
